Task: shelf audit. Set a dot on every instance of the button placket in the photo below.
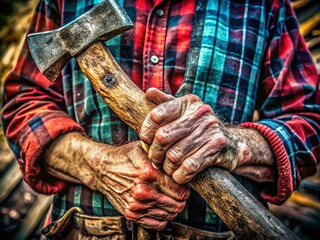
(154, 47)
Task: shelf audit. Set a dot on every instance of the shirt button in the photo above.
(154, 59)
(160, 12)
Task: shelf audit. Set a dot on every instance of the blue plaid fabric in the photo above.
(243, 55)
(224, 65)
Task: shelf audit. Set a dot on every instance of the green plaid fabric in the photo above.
(207, 73)
(238, 49)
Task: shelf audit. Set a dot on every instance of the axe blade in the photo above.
(52, 50)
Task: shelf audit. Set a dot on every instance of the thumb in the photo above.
(156, 96)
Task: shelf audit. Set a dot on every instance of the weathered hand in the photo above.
(185, 136)
(141, 193)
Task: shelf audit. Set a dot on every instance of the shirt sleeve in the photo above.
(34, 111)
(289, 103)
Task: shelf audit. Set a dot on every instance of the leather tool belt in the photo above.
(77, 225)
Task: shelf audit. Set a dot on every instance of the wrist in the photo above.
(254, 155)
(65, 159)
(229, 155)
(244, 151)
(251, 147)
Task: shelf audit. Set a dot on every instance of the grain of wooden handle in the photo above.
(239, 210)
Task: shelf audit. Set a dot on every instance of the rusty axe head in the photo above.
(51, 50)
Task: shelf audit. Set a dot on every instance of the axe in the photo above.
(84, 39)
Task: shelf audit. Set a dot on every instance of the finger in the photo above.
(184, 148)
(188, 169)
(151, 196)
(168, 112)
(157, 96)
(151, 223)
(165, 137)
(212, 153)
(144, 221)
(159, 116)
(205, 157)
(179, 139)
(257, 173)
(170, 188)
(158, 214)
(169, 134)
(169, 204)
(137, 210)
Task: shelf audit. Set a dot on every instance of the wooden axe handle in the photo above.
(240, 211)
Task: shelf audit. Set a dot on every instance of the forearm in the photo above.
(123, 174)
(255, 158)
(65, 158)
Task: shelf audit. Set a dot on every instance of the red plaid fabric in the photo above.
(236, 56)
(163, 39)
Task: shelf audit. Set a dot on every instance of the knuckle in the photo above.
(217, 161)
(157, 114)
(133, 206)
(162, 215)
(180, 206)
(184, 194)
(190, 166)
(149, 173)
(192, 98)
(219, 141)
(222, 140)
(139, 192)
(158, 142)
(173, 156)
(258, 173)
(161, 225)
(158, 214)
(144, 135)
(152, 223)
(211, 121)
(171, 217)
(148, 125)
(90, 181)
(204, 109)
(162, 136)
(130, 216)
(179, 178)
(186, 171)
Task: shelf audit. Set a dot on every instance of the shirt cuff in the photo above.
(43, 130)
(276, 138)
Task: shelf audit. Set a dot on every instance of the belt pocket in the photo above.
(180, 231)
(75, 224)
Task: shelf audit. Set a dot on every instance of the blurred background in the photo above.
(22, 211)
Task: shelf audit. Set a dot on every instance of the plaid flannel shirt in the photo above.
(236, 55)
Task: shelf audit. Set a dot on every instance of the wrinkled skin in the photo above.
(185, 137)
(125, 176)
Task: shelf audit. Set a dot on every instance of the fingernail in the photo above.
(145, 146)
(154, 166)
